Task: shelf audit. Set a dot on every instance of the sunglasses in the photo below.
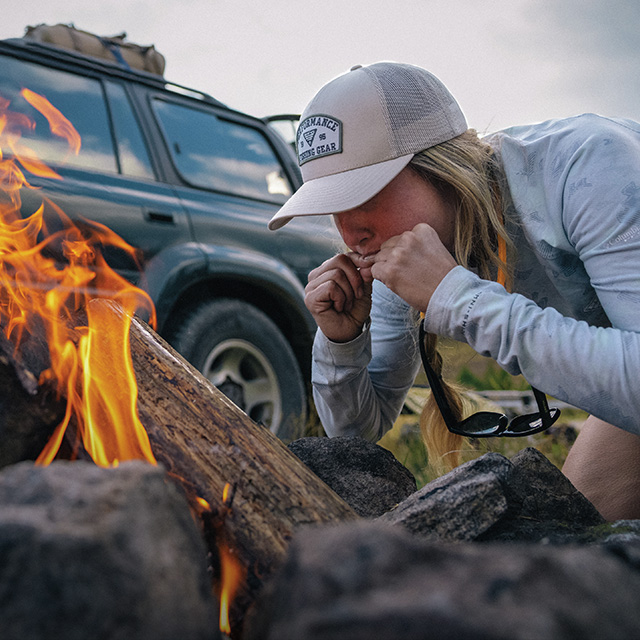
(486, 424)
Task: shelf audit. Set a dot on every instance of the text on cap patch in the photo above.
(318, 136)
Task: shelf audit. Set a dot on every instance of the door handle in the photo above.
(163, 218)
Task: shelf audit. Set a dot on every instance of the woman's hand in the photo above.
(338, 296)
(412, 265)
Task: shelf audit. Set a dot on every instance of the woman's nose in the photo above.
(357, 240)
(355, 236)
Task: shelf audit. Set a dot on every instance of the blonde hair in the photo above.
(465, 172)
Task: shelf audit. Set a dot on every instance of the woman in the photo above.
(525, 245)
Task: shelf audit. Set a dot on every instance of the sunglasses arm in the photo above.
(435, 383)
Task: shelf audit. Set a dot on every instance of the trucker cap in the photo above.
(361, 129)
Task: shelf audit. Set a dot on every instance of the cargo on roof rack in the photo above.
(112, 48)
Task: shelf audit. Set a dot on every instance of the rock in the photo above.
(461, 505)
(365, 475)
(492, 498)
(544, 504)
(367, 579)
(547, 493)
(100, 553)
(623, 539)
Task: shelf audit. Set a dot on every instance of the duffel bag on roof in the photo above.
(112, 48)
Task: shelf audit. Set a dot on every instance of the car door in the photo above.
(232, 179)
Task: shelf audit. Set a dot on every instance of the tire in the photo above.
(244, 354)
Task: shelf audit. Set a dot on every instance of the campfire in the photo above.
(79, 338)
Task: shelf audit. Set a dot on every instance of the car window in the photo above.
(132, 150)
(214, 153)
(78, 98)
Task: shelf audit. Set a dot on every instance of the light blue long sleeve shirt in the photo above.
(571, 326)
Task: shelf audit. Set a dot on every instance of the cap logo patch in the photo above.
(318, 136)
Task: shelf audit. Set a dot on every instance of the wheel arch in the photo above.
(281, 299)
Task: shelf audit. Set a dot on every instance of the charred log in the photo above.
(205, 442)
(29, 412)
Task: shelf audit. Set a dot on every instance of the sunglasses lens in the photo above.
(483, 423)
(532, 423)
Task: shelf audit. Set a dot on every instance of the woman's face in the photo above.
(405, 202)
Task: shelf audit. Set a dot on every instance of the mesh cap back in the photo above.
(418, 105)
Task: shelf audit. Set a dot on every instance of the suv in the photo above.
(191, 184)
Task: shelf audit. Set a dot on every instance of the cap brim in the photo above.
(339, 191)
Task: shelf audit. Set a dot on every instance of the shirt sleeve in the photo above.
(359, 387)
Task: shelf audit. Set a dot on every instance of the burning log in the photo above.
(28, 412)
(207, 443)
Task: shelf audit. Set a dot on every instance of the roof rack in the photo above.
(69, 55)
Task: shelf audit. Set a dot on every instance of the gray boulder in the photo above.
(490, 498)
(367, 580)
(87, 552)
(545, 506)
(366, 476)
(460, 505)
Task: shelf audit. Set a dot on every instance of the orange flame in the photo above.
(46, 279)
(203, 503)
(231, 572)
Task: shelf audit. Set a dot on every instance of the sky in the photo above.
(506, 61)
